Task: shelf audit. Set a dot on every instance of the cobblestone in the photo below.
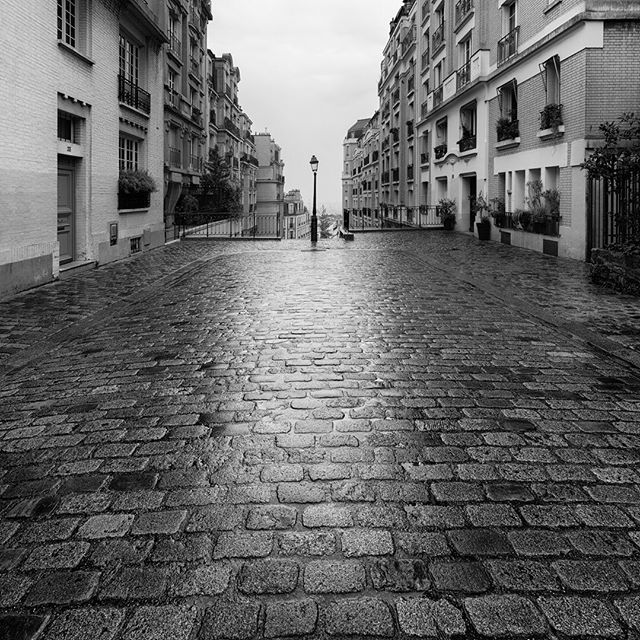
(213, 440)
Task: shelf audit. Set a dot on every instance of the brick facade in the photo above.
(79, 79)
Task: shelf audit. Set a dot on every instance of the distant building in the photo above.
(83, 104)
(230, 133)
(270, 182)
(185, 117)
(297, 220)
(494, 100)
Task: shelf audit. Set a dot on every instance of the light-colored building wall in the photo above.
(270, 186)
(297, 220)
(76, 75)
(462, 61)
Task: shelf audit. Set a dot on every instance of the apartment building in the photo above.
(352, 165)
(297, 220)
(270, 187)
(500, 99)
(80, 107)
(230, 132)
(185, 99)
(398, 95)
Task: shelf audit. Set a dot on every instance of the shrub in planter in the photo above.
(507, 129)
(497, 210)
(135, 181)
(551, 116)
(447, 212)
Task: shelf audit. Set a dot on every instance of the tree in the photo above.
(619, 157)
(218, 191)
(325, 223)
(617, 164)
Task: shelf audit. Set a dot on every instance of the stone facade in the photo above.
(270, 187)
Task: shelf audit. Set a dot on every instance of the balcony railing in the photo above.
(463, 9)
(409, 39)
(231, 128)
(467, 143)
(132, 95)
(438, 37)
(508, 46)
(172, 98)
(437, 96)
(424, 158)
(175, 157)
(463, 75)
(440, 151)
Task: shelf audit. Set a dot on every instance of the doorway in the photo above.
(469, 195)
(66, 214)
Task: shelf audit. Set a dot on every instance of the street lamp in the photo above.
(314, 217)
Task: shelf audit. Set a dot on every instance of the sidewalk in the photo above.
(408, 435)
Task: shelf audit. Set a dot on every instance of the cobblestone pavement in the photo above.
(411, 435)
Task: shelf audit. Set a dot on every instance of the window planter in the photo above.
(140, 200)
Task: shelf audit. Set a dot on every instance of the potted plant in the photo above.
(551, 199)
(134, 189)
(447, 212)
(507, 129)
(497, 210)
(483, 226)
(551, 116)
(523, 218)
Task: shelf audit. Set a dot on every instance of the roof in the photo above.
(358, 129)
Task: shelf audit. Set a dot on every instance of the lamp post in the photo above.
(314, 217)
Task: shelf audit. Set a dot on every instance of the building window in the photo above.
(507, 125)
(129, 153)
(551, 77)
(73, 24)
(468, 126)
(129, 60)
(173, 32)
(67, 21)
(442, 132)
(508, 44)
(67, 127)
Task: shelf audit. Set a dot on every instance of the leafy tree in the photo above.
(617, 162)
(325, 223)
(619, 157)
(218, 191)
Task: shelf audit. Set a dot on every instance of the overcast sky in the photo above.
(309, 69)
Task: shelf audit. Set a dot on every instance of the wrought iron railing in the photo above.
(463, 9)
(438, 37)
(175, 157)
(131, 94)
(232, 128)
(525, 221)
(440, 151)
(463, 75)
(508, 46)
(467, 143)
(437, 96)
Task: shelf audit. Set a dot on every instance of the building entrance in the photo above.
(66, 214)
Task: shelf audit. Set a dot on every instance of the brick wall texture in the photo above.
(39, 79)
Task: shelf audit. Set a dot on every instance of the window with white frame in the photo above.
(73, 24)
(129, 153)
(509, 16)
(129, 60)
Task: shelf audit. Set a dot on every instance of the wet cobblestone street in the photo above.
(410, 435)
